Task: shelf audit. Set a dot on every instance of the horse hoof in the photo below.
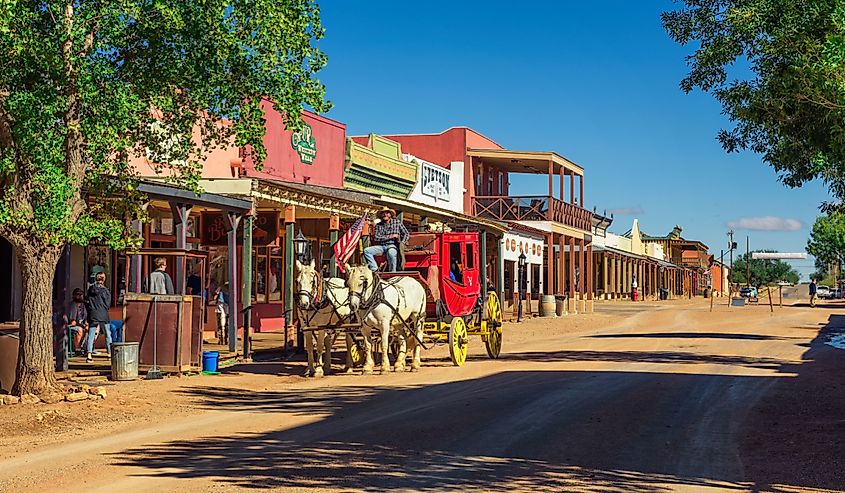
(307, 374)
(399, 369)
(385, 370)
(318, 374)
(367, 371)
(415, 369)
(348, 370)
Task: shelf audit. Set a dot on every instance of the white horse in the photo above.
(384, 305)
(321, 303)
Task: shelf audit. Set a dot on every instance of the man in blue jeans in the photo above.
(99, 301)
(387, 236)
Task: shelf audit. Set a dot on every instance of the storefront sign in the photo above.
(517, 244)
(304, 144)
(435, 181)
(265, 229)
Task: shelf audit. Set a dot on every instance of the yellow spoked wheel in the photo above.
(493, 311)
(356, 353)
(458, 339)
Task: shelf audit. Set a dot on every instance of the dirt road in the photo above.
(635, 398)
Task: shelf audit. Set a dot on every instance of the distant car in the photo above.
(823, 292)
(748, 292)
(835, 294)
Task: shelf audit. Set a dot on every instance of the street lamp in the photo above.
(523, 284)
(300, 246)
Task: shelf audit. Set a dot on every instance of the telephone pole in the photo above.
(747, 261)
(731, 246)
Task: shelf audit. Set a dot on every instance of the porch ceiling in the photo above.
(526, 161)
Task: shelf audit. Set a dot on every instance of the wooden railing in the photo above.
(532, 208)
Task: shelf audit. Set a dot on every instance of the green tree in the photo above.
(763, 272)
(776, 67)
(86, 84)
(827, 239)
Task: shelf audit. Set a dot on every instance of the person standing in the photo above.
(387, 236)
(99, 301)
(160, 281)
(222, 311)
(813, 290)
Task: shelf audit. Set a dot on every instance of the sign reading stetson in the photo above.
(304, 144)
(515, 244)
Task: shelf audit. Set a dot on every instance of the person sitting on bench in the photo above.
(387, 235)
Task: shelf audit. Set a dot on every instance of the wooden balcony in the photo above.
(532, 208)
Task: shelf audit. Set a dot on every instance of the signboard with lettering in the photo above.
(304, 144)
(265, 229)
(435, 181)
(516, 244)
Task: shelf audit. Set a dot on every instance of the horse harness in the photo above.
(377, 298)
(322, 297)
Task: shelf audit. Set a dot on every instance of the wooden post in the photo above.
(771, 303)
(581, 195)
(550, 265)
(334, 227)
(561, 273)
(582, 269)
(247, 288)
(180, 221)
(572, 267)
(234, 287)
(590, 281)
(290, 220)
(711, 301)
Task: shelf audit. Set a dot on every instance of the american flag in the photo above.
(345, 246)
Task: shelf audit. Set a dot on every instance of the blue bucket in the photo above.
(210, 360)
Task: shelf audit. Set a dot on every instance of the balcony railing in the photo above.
(532, 208)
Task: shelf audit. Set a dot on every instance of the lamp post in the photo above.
(522, 280)
(300, 246)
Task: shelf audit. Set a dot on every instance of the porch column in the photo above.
(612, 275)
(604, 280)
(334, 227)
(290, 315)
(542, 281)
(581, 195)
(500, 272)
(590, 279)
(563, 287)
(180, 220)
(562, 182)
(572, 188)
(482, 255)
(136, 280)
(233, 219)
(247, 290)
(582, 269)
(572, 282)
(550, 265)
(552, 182)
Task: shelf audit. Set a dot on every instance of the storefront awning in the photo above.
(442, 214)
(328, 200)
(156, 190)
(526, 161)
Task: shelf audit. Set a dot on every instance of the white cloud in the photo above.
(626, 211)
(766, 223)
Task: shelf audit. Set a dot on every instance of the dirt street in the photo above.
(643, 397)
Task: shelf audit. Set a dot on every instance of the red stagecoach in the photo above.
(448, 265)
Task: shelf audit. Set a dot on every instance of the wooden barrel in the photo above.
(547, 305)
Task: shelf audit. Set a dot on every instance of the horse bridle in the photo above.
(318, 293)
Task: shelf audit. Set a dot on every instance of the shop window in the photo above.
(259, 276)
(470, 260)
(275, 276)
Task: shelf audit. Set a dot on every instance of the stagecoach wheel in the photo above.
(458, 339)
(493, 341)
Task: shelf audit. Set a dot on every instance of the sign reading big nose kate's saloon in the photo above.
(312, 155)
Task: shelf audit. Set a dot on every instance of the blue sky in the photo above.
(594, 81)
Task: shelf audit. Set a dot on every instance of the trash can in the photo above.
(210, 360)
(560, 305)
(124, 361)
(547, 305)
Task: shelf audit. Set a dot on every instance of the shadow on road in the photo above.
(798, 431)
(645, 357)
(695, 335)
(609, 432)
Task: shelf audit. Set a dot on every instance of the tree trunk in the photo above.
(35, 371)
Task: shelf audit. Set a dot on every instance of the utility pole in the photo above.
(747, 261)
(731, 255)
